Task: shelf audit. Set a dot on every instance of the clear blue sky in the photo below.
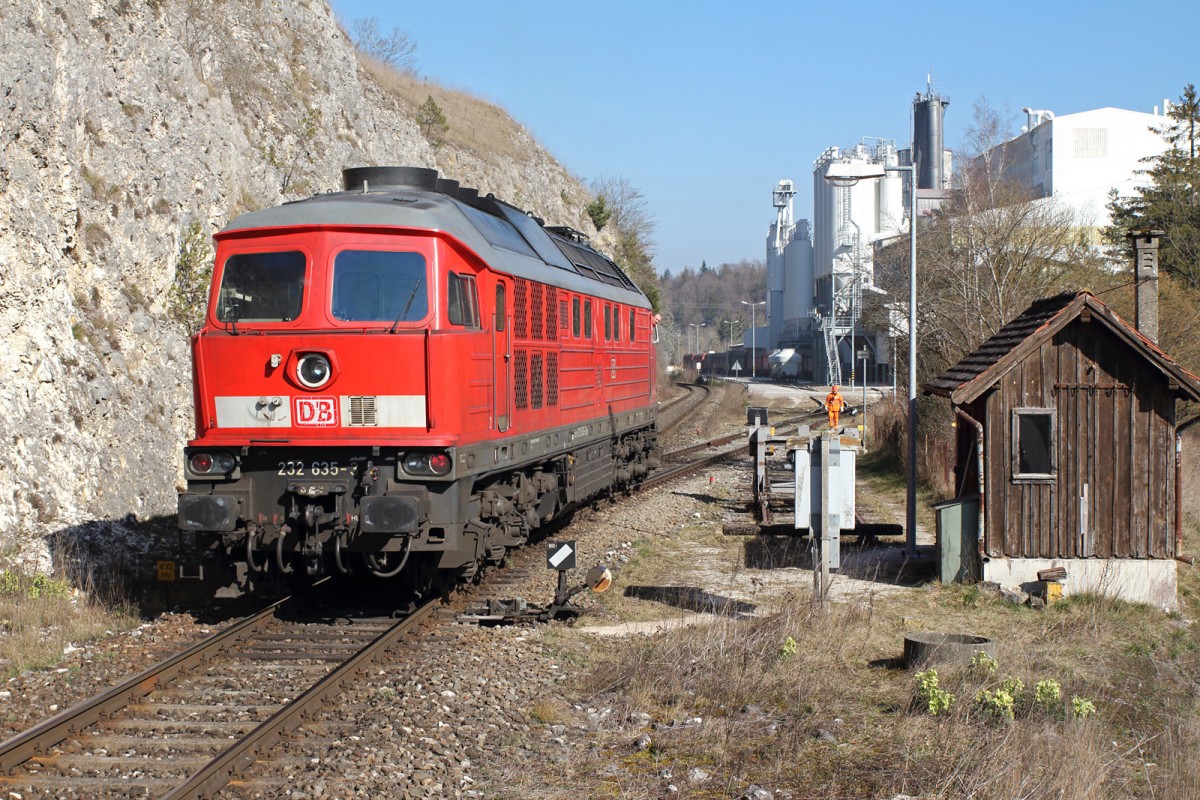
(705, 105)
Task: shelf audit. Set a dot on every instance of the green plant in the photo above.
(997, 706)
(788, 648)
(599, 212)
(1012, 686)
(983, 661)
(936, 700)
(1082, 708)
(432, 122)
(1047, 694)
(193, 272)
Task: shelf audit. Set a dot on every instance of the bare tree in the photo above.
(396, 49)
(993, 249)
(630, 215)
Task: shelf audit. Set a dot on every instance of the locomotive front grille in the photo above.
(362, 412)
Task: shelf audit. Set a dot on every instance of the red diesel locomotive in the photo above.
(405, 374)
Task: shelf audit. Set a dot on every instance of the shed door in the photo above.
(1095, 464)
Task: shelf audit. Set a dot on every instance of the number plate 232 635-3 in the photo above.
(310, 468)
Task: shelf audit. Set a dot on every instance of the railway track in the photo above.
(187, 726)
(672, 413)
(213, 716)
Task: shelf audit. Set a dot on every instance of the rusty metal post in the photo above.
(1145, 272)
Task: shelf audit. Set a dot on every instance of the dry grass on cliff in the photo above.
(475, 125)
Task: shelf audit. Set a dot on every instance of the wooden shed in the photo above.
(1066, 438)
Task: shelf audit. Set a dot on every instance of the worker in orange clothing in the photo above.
(834, 405)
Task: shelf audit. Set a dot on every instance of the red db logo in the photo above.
(317, 412)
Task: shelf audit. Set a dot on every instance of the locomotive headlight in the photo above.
(435, 464)
(212, 464)
(439, 464)
(313, 370)
(201, 463)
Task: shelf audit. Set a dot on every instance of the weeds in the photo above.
(41, 614)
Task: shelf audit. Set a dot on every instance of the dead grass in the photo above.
(41, 615)
(819, 704)
(815, 703)
(474, 125)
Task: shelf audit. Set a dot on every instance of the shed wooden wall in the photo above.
(1115, 428)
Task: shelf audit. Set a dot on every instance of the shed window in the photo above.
(1033, 444)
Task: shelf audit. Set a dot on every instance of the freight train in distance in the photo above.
(406, 379)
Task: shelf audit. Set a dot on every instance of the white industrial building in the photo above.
(1078, 158)
(815, 289)
(819, 274)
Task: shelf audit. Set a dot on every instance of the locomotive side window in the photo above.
(462, 303)
(632, 326)
(607, 322)
(500, 307)
(379, 286)
(261, 287)
(616, 323)
(587, 319)
(575, 317)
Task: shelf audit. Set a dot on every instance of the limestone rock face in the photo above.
(123, 123)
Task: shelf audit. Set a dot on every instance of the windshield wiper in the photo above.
(404, 311)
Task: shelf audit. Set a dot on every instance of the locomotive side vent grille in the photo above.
(521, 384)
(362, 412)
(535, 380)
(552, 314)
(552, 380)
(537, 313)
(521, 309)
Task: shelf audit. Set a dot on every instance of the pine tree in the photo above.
(432, 121)
(1171, 203)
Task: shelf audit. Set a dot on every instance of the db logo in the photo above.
(315, 411)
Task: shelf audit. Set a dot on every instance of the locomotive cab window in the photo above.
(1033, 455)
(261, 287)
(379, 286)
(462, 303)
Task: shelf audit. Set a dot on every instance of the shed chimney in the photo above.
(1145, 273)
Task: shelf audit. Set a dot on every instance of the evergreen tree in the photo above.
(599, 212)
(1171, 203)
(432, 122)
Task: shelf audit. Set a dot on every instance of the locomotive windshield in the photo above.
(379, 286)
(261, 287)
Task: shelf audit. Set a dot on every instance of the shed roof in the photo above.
(979, 370)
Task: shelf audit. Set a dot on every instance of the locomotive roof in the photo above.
(507, 238)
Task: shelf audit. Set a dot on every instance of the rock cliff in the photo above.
(126, 124)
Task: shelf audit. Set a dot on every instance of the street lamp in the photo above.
(846, 175)
(729, 322)
(753, 338)
(697, 346)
